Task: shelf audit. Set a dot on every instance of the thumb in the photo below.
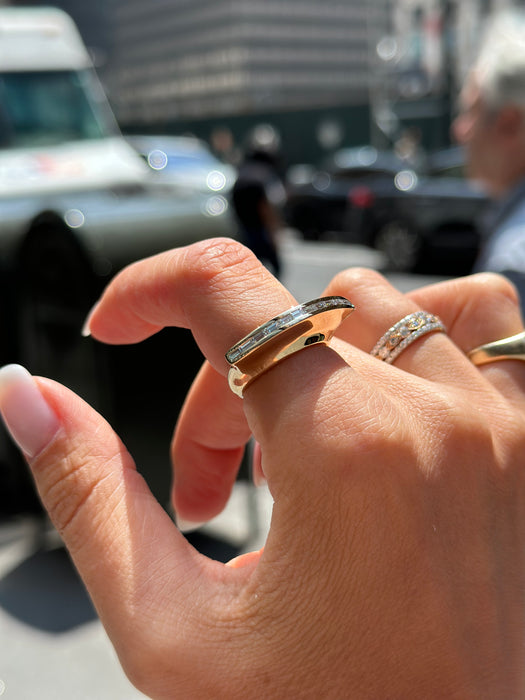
(119, 537)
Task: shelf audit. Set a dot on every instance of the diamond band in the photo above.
(404, 333)
(308, 324)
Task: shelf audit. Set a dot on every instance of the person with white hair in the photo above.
(491, 127)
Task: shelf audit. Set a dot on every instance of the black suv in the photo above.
(422, 219)
(318, 198)
(426, 221)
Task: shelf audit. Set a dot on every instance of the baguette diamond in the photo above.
(300, 327)
(283, 322)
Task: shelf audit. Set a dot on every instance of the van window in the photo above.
(50, 107)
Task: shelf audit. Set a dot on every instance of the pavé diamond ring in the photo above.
(512, 348)
(403, 333)
(301, 326)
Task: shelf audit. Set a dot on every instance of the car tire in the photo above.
(17, 493)
(401, 245)
(49, 294)
(55, 290)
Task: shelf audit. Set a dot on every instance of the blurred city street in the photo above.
(53, 646)
(126, 132)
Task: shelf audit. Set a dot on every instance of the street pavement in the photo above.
(52, 645)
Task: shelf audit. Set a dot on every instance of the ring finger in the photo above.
(462, 305)
(484, 308)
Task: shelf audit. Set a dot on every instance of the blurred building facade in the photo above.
(201, 58)
(436, 40)
(171, 59)
(420, 67)
(171, 64)
(359, 70)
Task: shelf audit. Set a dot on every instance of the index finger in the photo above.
(219, 290)
(216, 287)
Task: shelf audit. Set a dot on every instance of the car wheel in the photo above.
(52, 295)
(17, 493)
(55, 290)
(401, 246)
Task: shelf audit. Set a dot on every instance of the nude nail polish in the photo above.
(86, 330)
(187, 526)
(27, 416)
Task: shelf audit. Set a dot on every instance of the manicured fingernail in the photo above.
(86, 329)
(27, 416)
(187, 525)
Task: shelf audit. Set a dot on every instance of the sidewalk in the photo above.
(53, 645)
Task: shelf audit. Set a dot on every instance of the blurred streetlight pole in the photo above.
(382, 51)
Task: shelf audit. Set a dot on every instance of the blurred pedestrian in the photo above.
(409, 148)
(223, 145)
(491, 127)
(258, 196)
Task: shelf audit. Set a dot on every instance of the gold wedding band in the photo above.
(301, 326)
(511, 348)
(404, 333)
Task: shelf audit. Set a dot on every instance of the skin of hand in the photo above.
(395, 562)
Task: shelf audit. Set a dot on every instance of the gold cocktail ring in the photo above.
(300, 327)
(511, 348)
(403, 333)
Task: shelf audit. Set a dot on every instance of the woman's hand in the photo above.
(395, 561)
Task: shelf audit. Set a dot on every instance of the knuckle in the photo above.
(216, 258)
(374, 440)
(491, 287)
(456, 425)
(485, 307)
(222, 266)
(357, 276)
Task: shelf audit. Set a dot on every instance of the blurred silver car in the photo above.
(186, 161)
(77, 203)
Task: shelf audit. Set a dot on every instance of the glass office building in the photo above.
(180, 59)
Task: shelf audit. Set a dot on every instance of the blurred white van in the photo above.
(56, 127)
(77, 203)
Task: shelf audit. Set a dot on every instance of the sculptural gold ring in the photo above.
(511, 348)
(300, 327)
(404, 333)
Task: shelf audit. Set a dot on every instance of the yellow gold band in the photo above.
(301, 326)
(511, 348)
